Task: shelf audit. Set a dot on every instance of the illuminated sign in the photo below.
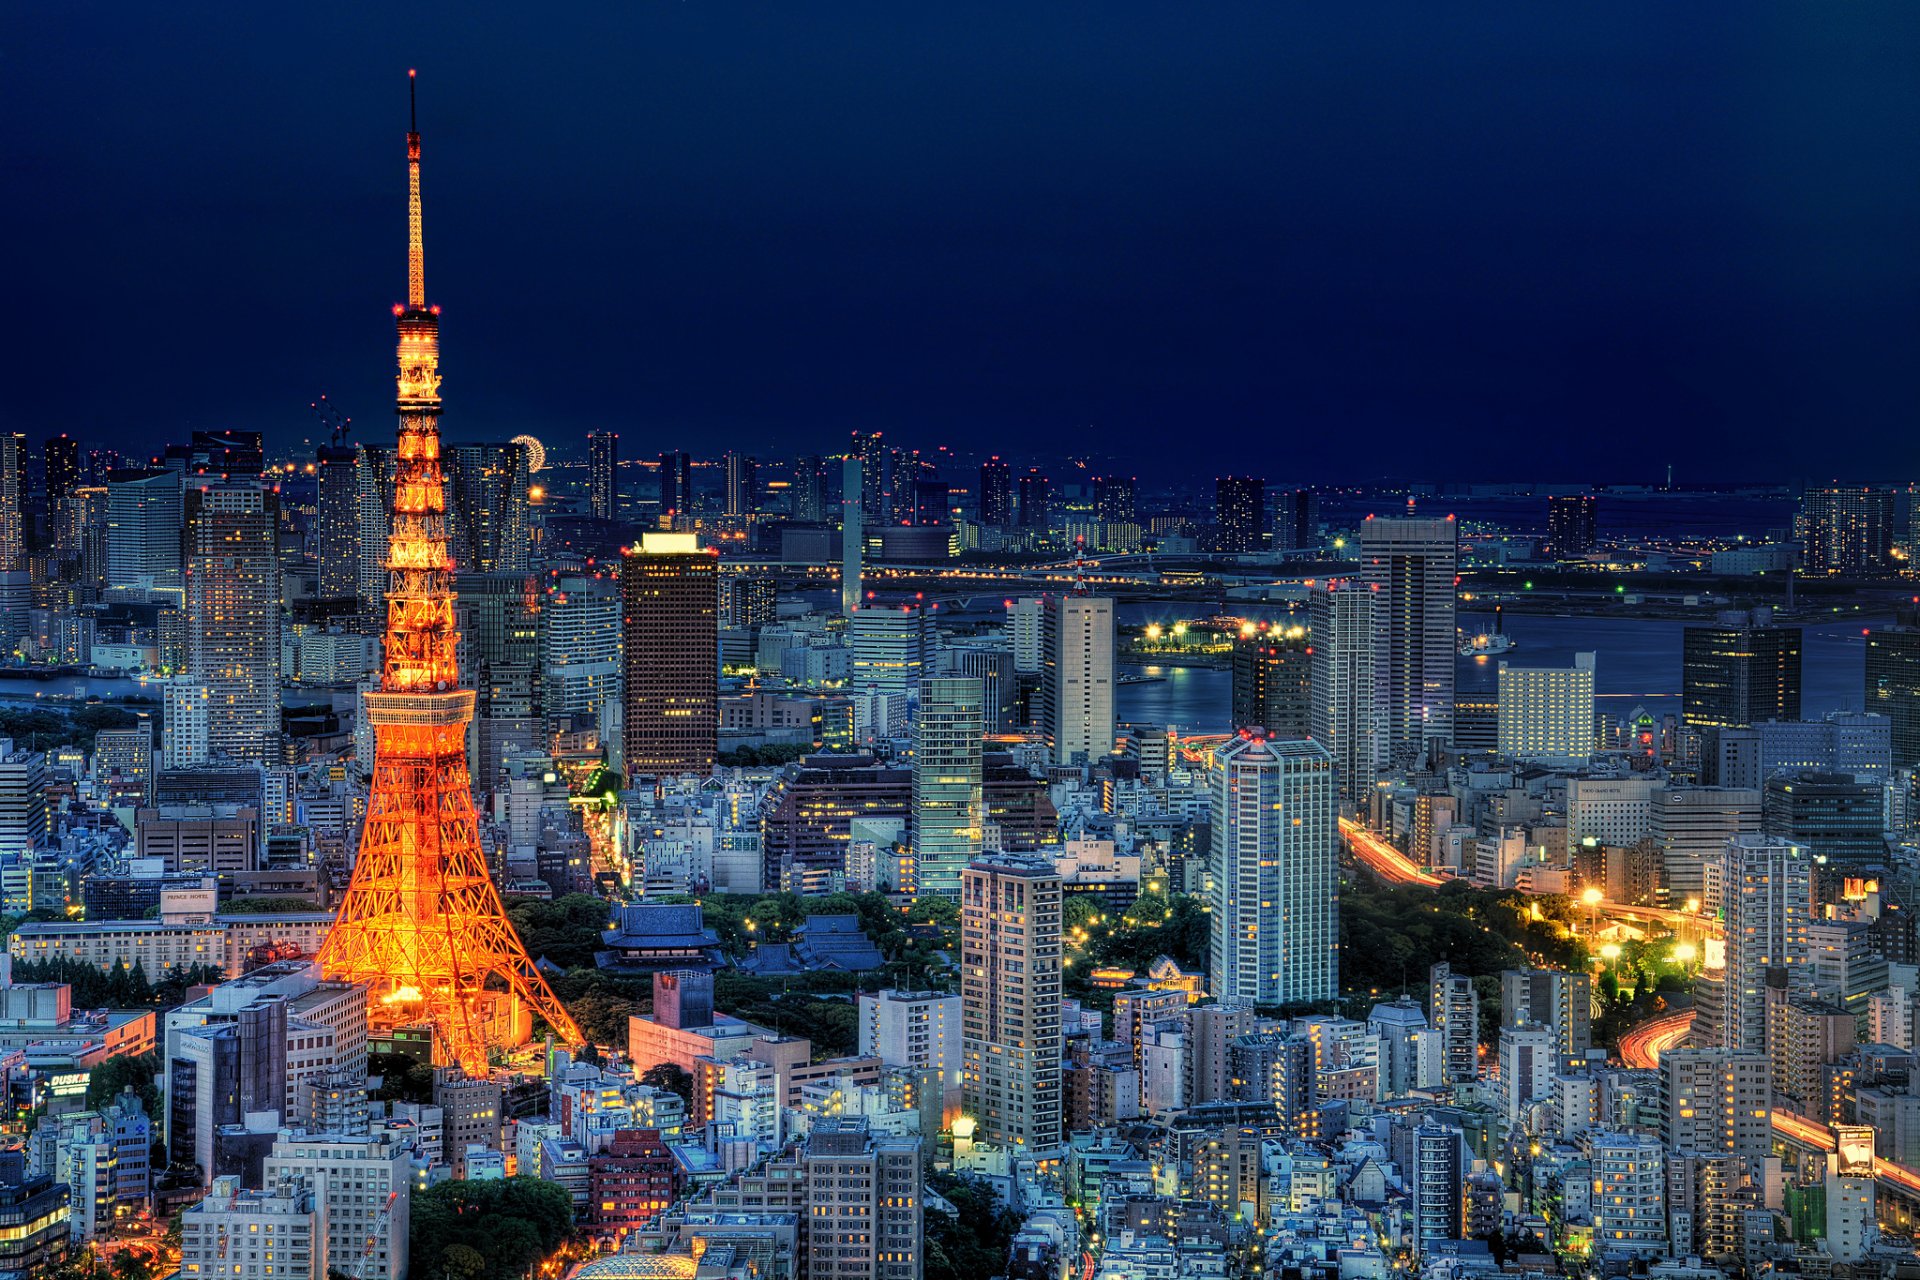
(1856, 1149)
(72, 1084)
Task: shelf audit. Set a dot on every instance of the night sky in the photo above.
(1320, 242)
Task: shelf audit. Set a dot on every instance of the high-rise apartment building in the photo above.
(1439, 1169)
(376, 475)
(145, 513)
(1343, 717)
(1077, 678)
(676, 483)
(1767, 902)
(808, 501)
(369, 1198)
(864, 1193)
(1453, 1010)
(1716, 1100)
(1412, 563)
(23, 798)
(1551, 998)
(671, 603)
(1739, 670)
(233, 615)
(1272, 681)
(742, 484)
(1296, 520)
(1847, 530)
(1276, 912)
(276, 1234)
(336, 536)
(1035, 494)
(1113, 499)
(489, 507)
(1546, 713)
(948, 811)
(63, 478)
(1240, 513)
(603, 475)
(996, 493)
(1893, 683)
(1010, 1000)
(1629, 1190)
(915, 1029)
(13, 492)
(1570, 525)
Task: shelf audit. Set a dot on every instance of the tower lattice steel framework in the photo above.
(422, 924)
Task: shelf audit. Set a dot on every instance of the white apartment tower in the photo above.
(1767, 888)
(1546, 713)
(1077, 678)
(1341, 682)
(1010, 1000)
(1412, 562)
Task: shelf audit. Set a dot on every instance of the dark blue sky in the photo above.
(1317, 241)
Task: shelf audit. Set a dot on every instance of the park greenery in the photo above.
(119, 987)
(974, 1242)
(764, 755)
(489, 1229)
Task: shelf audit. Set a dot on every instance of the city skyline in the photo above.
(1118, 228)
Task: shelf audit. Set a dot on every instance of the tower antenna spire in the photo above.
(416, 249)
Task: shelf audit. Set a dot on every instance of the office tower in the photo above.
(580, 648)
(1296, 520)
(377, 469)
(1739, 670)
(1026, 632)
(1453, 1009)
(472, 1115)
(219, 1073)
(1838, 820)
(369, 1196)
(993, 668)
(1546, 713)
(809, 502)
(285, 1223)
(1527, 1058)
(889, 643)
(749, 602)
(63, 478)
(1570, 525)
(863, 1202)
(948, 819)
(233, 615)
(90, 524)
(603, 474)
(1240, 513)
(852, 534)
(1272, 682)
(914, 1029)
(1767, 899)
(1629, 1190)
(869, 449)
(144, 518)
(1276, 872)
(931, 503)
(23, 798)
(489, 517)
(1716, 1100)
(742, 484)
(996, 493)
(1113, 499)
(1412, 562)
(1077, 678)
(1439, 1158)
(336, 537)
(1036, 493)
(13, 492)
(1692, 826)
(676, 483)
(1610, 811)
(671, 598)
(1551, 998)
(1893, 683)
(1846, 530)
(1344, 717)
(422, 925)
(1010, 1000)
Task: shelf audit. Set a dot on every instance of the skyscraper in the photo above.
(603, 477)
(63, 477)
(852, 532)
(378, 468)
(676, 483)
(1739, 670)
(809, 502)
(1847, 530)
(1893, 682)
(948, 810)
(1546, 713)
(1412, 563)
(996, 493)
(671, 593)
(580, 649)
(1036, 493)
(1077, 678)
(489, 518)
(743, 484)
(1240, 512)
(233, 615)
(1767, 901)
(1570, 525)
(1113, 499)
(1343, 717)
(1272, 682)
(13, 493)
(1296, 520)
(336, 540)
(1010, 1000)
(144, 518)
(1276, 872)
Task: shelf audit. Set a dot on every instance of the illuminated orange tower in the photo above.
(422, 924)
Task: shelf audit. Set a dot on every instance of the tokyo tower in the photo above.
(422, 924)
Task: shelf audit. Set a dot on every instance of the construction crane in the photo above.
(336, 423)
(380, 1221)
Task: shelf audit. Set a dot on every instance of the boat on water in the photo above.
(1489, 644)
